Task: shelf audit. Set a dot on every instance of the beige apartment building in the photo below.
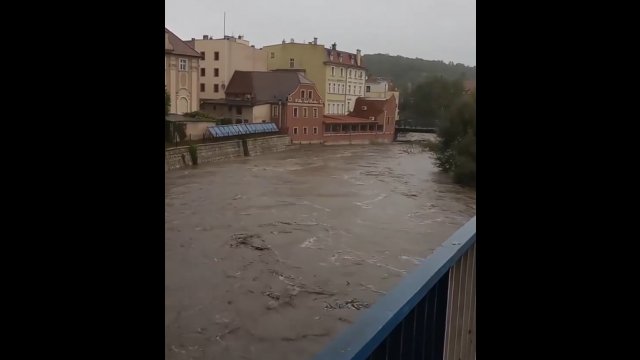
(379, 88)
(181, 71)
(220, 59)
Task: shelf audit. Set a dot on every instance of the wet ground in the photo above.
(269, 257)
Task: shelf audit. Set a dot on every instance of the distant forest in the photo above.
(408, 74)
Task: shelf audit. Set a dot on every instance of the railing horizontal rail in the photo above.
(418, 304)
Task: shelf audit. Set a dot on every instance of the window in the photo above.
(333, 87)
(380, 128)
(238, 110)
(363, 127)
(202, 54)
(273, 55)
(310, 94)
(295, 112)
(304, 130)
(368, 88)
(348, 105)
(230, 108)
(315, 129)
(216, 55)
(292, 63)
(341, 72)
(202, 71)
(349, 72)
(295, 131)
(305, 112)
(216, 72)
(364, 107)
(359, 90)
(216, 89)
(201, 87)
(315, 112)
(327, 128)
(342, 89)
(333, 71)
(183, 65)
(349, 89)
(274, 110)
(303, 94)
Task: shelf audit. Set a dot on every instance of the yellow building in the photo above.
(220, 59)
(181, 70)
(339, 76)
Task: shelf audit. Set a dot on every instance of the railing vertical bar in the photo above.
(429, 315)
(466, 316)
(447, 333)
(407, 335)
(472, 306)
(395, 342)
(422, 327)
(460, 300)
(414, 331)
(452, 312)
(442, 288)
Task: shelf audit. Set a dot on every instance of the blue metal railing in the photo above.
(429, 315)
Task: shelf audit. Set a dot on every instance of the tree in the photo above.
(433, 98)
(455, 148)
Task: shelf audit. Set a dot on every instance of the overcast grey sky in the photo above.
(429, 29)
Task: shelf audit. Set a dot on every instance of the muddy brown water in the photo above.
(269, 257)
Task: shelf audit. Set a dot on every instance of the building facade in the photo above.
(286, 98)
(181, 78)
(338, 75)
(379, 88)
(220, 59)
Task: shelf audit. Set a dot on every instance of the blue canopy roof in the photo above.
(242, 129)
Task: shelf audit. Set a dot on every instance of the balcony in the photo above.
(429, 315)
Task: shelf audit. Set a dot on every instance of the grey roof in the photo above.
(265, 86)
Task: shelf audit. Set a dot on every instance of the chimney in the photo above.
(205, 37)
(358, 57)
(334, 46)
(283, 41)
(315, 41)
(240, 37)
(193, 39)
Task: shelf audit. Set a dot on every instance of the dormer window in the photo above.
(364, 107)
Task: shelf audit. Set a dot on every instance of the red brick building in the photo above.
(372, 120)
(286, 98)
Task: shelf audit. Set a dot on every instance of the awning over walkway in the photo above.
(242, 129)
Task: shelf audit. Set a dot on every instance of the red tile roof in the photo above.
(179, 46)
(346, 58)
(373, 107)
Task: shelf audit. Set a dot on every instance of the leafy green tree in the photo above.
(455, 148)
(432, 100)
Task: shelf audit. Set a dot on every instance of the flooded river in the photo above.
(269, 257)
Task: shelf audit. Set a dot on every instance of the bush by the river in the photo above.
(455, 148)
